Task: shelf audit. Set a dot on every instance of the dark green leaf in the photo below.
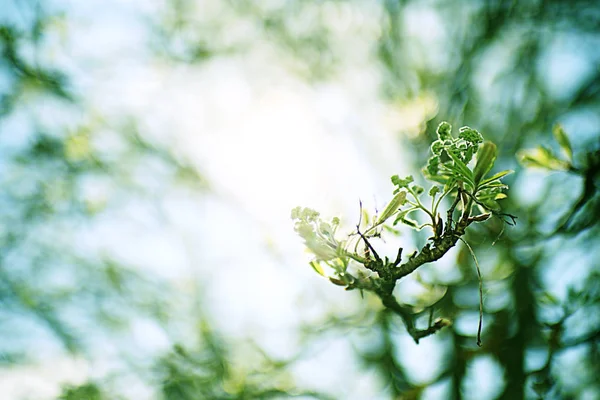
(486, 156)
(462, 169)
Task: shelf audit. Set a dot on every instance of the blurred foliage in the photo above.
(515, 104)
(88, 391)
(486, 63)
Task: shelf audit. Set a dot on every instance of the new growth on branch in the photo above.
(459, 169)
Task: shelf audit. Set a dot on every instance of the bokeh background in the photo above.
(151, 152)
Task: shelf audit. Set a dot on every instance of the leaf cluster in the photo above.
(459, 167)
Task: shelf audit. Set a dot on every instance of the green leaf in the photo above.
(444, 131)
(434, 176)
(492, 205)
(434, 190)
(496, 176)
(470, 135)
(402, 215)
(542, 157)
(317, 267)
(437, 147)
(563, 141)
(393, 206)
(493, 185)
(417, 189)
(410, 222)
(486, 156)
(402, 183)
(462, 169)
(489, 194)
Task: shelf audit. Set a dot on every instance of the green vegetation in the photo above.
(473, 199)
(123, 252)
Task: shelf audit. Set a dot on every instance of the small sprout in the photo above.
(437, 147)
(402, 183)
(318, 235)
(417, 189)
(470, 135)
(434, 191)
(444, 131)
(433, 165)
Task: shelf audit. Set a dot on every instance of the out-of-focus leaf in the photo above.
(317, 267)
(548, 298)
(563, 141)
(337, 282)
(542, 157)
(87, 391)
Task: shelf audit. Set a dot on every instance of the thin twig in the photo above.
(480, 292)
(513, 218)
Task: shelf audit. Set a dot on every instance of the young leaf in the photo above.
(410, 222)
(462, 169)
(444, 131)
(393, 206)
(401, 216)
(563, 141)
(542, 157)
(495, 176)
(337, 282)
(434, 190)
(486, 156)
(317, 267)
(492, 205)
